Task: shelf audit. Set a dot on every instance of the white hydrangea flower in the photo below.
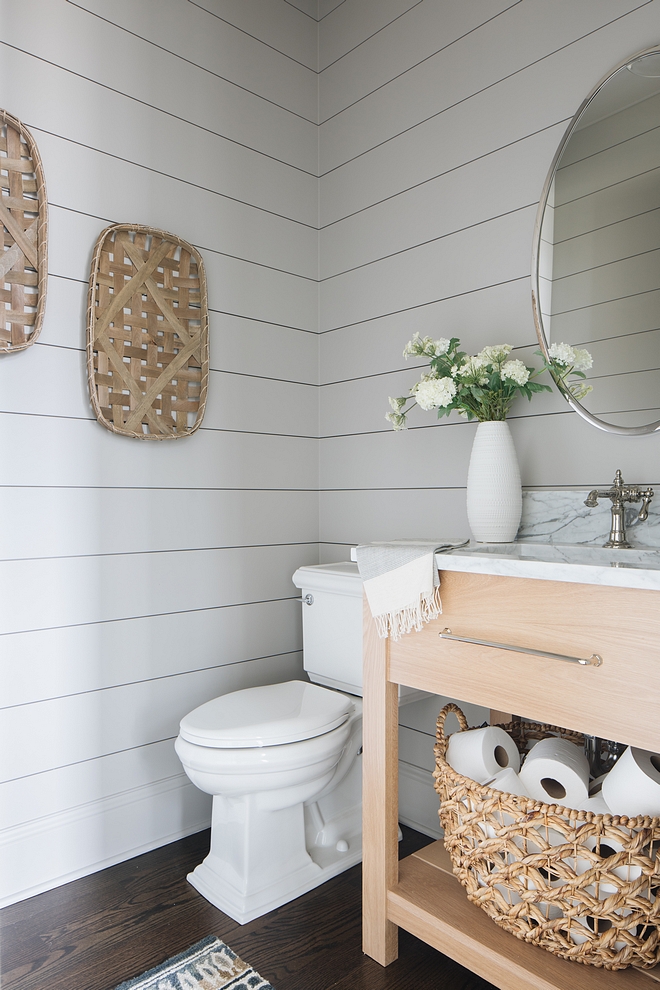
(515, 371)
(495, 354)
(583, 359)
(397, 404)
(397, 420)
(562, 353)
(426, 347)
(472, 370)
(433, 392)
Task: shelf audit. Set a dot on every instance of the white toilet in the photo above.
(283, 762)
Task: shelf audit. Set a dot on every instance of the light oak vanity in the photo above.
(574, 610)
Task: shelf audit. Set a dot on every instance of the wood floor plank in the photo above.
(98, 931)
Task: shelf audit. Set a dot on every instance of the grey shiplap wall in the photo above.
(139, 579)
(436, 134)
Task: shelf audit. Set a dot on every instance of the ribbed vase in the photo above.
(494, 494)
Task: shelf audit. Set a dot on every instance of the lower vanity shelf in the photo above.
(429, 902)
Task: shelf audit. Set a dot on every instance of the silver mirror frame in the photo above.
(631, 431)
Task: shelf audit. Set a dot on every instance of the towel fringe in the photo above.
(404, 620)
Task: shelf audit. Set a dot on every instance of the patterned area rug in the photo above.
(208, 965)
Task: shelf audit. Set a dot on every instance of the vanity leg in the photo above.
(380, 802)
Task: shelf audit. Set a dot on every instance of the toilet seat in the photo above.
(272, 715)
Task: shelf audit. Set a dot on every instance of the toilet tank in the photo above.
(332, 624)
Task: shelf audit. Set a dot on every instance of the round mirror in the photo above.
(596, 254)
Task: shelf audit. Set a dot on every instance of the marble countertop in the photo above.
(573, 563)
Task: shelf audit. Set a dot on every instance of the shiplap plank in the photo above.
(52, 663)
(274, 22)
(507, 44)
(261, 405)
(234, 286)
(252, 347)
(351, 24)
(484, 316)
(72, 590)
(86, 727)
(97, 184)
(76, 108)
(51, 30)
(81, 453)
(55, 522)
(481, 190)
(216, 45)
(237, 344)
(53, 792)
(460, 262)
(327, 6)
(423, 30)
(309, 7)
(398, 514)
(53, 384)
(543, 94)
(438, 457)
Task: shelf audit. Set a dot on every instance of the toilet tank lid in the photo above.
(339, 579)
(266, 716)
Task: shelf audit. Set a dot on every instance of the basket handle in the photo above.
(441, 739)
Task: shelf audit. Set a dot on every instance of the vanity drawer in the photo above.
(618, 700)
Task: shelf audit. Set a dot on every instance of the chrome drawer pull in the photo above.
(593, 661)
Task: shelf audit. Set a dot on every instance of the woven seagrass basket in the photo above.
(583, 886)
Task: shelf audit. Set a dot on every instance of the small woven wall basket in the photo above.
(24, 216)
(147, 333)
(550, 875)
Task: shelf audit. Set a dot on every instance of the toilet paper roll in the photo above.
(481, 753)
(596, 786)
(508, 781)
(632, 787)
(556, 771)
(595, 804)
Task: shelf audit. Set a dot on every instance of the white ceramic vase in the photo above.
(494, 494)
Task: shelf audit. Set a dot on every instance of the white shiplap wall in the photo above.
(438, 121)
(436, 133)
(137, 580)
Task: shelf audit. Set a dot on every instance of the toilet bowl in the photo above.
(283, 762)
(286, 745)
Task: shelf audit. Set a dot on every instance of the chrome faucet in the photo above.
(620, 493)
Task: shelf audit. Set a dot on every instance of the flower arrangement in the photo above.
(481, 386)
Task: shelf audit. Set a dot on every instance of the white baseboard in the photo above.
(418, 801)
(51, 851)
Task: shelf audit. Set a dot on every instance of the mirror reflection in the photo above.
(597, 249)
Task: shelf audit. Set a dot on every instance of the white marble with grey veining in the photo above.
(560, 516)
(572, 563)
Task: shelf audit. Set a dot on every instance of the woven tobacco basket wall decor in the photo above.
(147, 333)
(24, 217)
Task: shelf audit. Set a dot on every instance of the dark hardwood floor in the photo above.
(98, 931)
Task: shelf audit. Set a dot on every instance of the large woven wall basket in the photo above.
(147, 333)
(24, 215)
(583, 886)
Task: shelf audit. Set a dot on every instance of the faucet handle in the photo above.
(646, 498)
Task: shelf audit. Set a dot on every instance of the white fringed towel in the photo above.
(402, 583)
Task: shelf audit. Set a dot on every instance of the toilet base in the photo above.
(260, 859)
(244, 907)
